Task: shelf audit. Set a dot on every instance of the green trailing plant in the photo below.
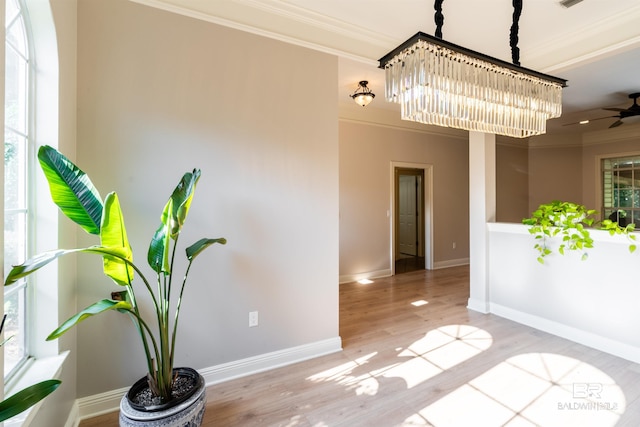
(74, 193)
(27, 397)
(572, 222)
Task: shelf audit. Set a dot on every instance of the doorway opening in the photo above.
(411, 230)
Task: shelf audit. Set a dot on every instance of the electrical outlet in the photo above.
(253, 319)
(454, 245)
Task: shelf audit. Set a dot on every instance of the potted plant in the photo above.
(572, 222)
(166, 392)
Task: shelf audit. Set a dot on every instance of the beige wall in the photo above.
(555, 172)
(366, 153)
(160, 94)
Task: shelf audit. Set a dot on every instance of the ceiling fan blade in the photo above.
(616, 124)
(615, 109)
(590, 120)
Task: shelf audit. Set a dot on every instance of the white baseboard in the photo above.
(265, 362)
(98, 404)
(450, 263)
(103, 403)
(347, 278)
(580, 336)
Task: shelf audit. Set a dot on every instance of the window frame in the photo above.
(27, 285)
(601, 184)
(52, 296)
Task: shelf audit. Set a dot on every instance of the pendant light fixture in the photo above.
(363, 95)
(440, 83)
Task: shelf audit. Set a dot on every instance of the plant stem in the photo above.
(177, 313)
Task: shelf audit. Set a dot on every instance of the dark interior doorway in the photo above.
(409, 220)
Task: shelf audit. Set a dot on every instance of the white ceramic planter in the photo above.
(188, 413)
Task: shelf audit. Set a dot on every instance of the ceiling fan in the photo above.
(623, 113)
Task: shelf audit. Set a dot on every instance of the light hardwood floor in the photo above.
(414, 355)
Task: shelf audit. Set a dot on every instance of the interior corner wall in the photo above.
(366, 153)
(555, 173)
(512, 181)
(160, 94)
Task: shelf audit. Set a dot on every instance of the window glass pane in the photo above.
(14, 327)
(625, 188)
(15, 102)
(15, 244)
(15, 171)
(15, 36)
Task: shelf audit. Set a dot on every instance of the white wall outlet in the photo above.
(253, 319)
(454, 245)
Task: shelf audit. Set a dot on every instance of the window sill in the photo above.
(36, 370)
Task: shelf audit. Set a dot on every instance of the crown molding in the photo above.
(284, 22)
(609, 136)
(293, 24)
(387, 118)
(564, 140)
(512, 142)
(573, 47)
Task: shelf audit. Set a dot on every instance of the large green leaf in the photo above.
(92, 310)
(202, 244)
(34, 264)
(172, 219)
(71, 189)
(158, 255)
(113, 234)
(26, 398)
(182, 197)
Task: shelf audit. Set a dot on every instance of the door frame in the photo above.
(427, 198)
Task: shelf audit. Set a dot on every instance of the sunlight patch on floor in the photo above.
(363, 384)
(536, 389)
(341, 371)
(439, 350)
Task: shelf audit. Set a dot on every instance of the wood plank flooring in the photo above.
(415, 356)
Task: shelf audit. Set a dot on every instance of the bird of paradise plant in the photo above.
(74, 193)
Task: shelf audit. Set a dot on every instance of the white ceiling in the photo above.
(595, 44)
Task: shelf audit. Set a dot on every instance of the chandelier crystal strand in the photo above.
(439, 86)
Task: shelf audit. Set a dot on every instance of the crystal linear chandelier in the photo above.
(440, 83)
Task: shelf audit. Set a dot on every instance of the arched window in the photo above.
(18, 152)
